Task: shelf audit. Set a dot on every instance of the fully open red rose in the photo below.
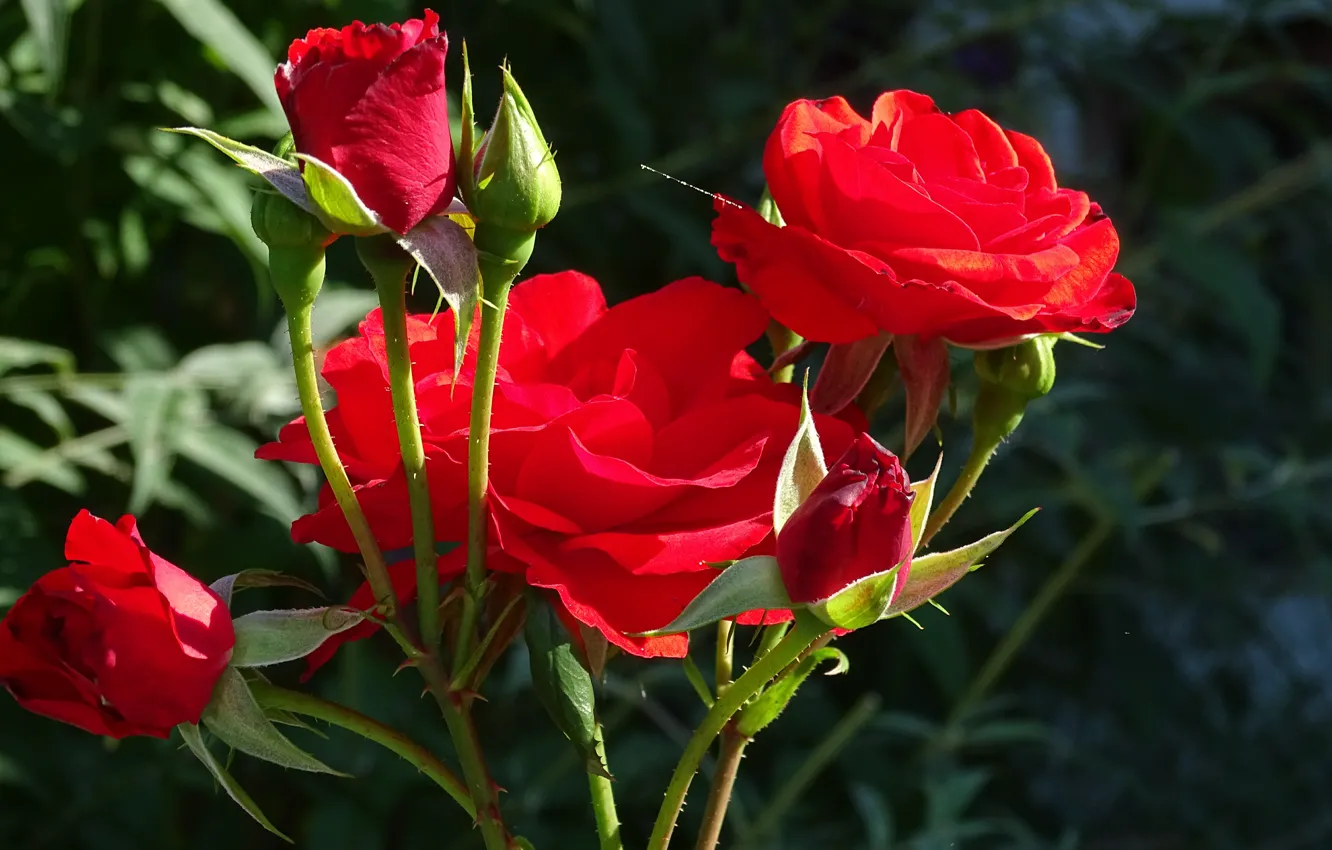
(855, 524)
(630, 446)
(370, 102)
(120, 642)
(916, 222)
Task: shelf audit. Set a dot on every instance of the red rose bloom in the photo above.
(120, 642)
(856, 523)
(370, 102)
(916, 222)
(630, 446)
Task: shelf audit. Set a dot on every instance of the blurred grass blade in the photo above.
(154, 408)
(217, 28)
(48, 21)
(229, 454)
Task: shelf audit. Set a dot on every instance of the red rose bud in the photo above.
(369, 101)
(119, 642)
(838, 551)
(1010, 378)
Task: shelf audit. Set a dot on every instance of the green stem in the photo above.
(806, 630)
(603, 799)
(782, 339)
(390, 285)
(478, 457)
(719, 795)
(815, 763)
(725, 653)
(468, 747)
(771, 636)
(971, 472)
(272, 696)
(307, 387)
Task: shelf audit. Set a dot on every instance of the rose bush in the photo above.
(855, 524)
(914, 222)
(119, 642)
(631, 446)
(370, 102)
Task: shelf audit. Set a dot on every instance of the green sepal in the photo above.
(335, 201)
(861, 603)
(466, 165)
(190, 733)
(923, 503)
(751, 584)
(238, 721)
(272, 637)
(562, 683)
(282, 174)
(802, 466)
(227, 586)
(442, 247)
(931, 575)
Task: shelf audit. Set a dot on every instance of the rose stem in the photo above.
(272, 696)
(725, 653)
(464, 738)
(719, 796)
(388, 266)
(603, 799)
(498, 270)
(806, 630)
(966, 480)
(307, 387)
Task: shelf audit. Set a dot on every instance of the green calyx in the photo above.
(296, 242)
(515, 184)
(1010, 378)
(384, 258)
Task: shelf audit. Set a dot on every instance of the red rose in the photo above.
(370, 102)
(917, 222)
(120, 642)
(856, 523)
(630, 446)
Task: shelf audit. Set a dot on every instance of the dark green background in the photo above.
(1174, 693)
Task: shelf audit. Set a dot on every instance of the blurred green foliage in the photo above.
(1145, 666)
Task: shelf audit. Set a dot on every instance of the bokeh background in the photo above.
(1146, 666)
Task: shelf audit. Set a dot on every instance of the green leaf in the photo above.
(773, 701)
(236, 718)
(194, 741)
(282, 175)
(215, 26)
(18, 353)
(35, 463)
(155, 420)
(923, 503)
(229, 454)
(48, 21)
(273, 637)
(802, 467)
(444, 250)
(752, 584)
(931, 575)
(335, 202)
(562, 683)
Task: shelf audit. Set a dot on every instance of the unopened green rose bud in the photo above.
(296, 242)
(516, 184)
(1010, 378)
(1027, 369)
